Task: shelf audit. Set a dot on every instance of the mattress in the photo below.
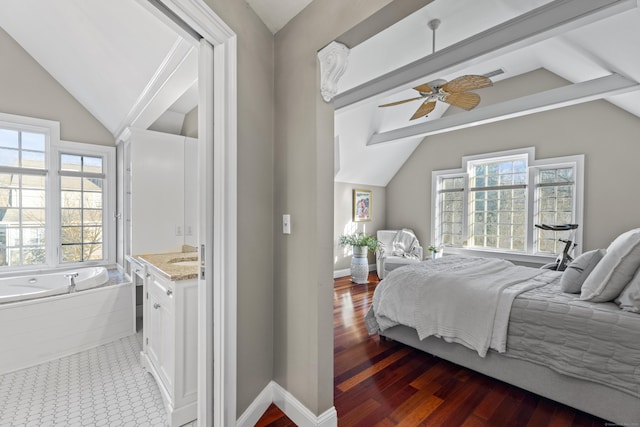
(594, 341)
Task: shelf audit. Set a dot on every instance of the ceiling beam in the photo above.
(534, 26)
(611, 85)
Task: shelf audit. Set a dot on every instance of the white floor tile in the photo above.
(104, 386)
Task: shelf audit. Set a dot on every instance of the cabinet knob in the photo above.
(169, 292)
(156, 306)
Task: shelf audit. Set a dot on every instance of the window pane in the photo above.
(33, 255)
(33, 236)
(33, 159)
(93, 252)
(451, 210)
(92, 235)
(70, 162)
(33, 217)
(555, 196)
(9, 157)
(92, 216)
(93, 164)
(72, 253)
(33, 141)
(12, 236)
(22, 198)
(71, 199)
(81, 202)
(71, 235)
(71, 217)
(70, 183)
(495, 215)
(33, 198)
(8, 138)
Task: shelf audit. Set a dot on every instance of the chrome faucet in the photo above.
(72, 281)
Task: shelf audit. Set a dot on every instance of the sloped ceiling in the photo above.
(115, 57)
(595, 50)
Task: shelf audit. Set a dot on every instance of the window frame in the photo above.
(108, 198)
(534, 166)
(53, 147)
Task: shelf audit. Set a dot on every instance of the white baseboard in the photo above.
(347, 271)
(292, 407)
(258, 407)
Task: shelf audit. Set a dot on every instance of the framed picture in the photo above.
(361, 205)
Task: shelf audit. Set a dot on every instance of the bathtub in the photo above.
(40, 320)
(43, 285)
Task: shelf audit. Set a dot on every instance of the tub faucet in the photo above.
(72, 281)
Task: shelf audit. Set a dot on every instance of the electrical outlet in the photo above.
(178, 230)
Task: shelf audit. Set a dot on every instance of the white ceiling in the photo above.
(595, 50)
(276, 13)
(115, 57)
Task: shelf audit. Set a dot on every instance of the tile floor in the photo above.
(104, 386)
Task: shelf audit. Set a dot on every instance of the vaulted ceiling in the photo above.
(373, 143)
(115, 57)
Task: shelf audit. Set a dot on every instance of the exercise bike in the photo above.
(564, 258)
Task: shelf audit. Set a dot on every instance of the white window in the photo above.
(23, 202)
(492, 203)
(54, 197)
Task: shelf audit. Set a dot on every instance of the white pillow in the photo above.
(615, 270)
(579, 269)
(629, 298)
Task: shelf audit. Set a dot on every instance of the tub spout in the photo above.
(72, 281)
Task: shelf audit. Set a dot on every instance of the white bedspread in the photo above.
(463, 300)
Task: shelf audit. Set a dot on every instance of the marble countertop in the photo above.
(175, 266)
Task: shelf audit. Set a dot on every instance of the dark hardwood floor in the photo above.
(381, 383)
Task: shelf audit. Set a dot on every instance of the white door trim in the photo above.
(217, 326)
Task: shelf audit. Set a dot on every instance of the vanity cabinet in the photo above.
(170, 343)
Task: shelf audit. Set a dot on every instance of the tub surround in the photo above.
(43, 329)
(174, 266)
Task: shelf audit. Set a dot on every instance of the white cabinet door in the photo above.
(160, 347)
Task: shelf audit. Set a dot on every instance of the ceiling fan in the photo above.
(456, 92)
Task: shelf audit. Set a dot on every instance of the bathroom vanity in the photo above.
(170, 326)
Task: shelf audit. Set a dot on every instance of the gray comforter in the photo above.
(594, 341)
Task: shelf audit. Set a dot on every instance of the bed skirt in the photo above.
(596, 399)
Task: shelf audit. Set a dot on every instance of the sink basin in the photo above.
(187, 263)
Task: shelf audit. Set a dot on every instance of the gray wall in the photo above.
(26, 89)
(303, 285)
(343, 219)
(606, 134)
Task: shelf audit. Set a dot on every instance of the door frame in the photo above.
(217, 177)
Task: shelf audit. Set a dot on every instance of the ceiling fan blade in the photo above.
(424, 109)
(465, 100)
(424, 88)
(465, 83)
(391, 104)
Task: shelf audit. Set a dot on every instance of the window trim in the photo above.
(53, 146)
(533, 167)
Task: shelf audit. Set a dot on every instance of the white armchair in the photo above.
(387, 260)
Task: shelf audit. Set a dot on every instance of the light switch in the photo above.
(286, 224)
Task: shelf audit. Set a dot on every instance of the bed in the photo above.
(571, 336)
